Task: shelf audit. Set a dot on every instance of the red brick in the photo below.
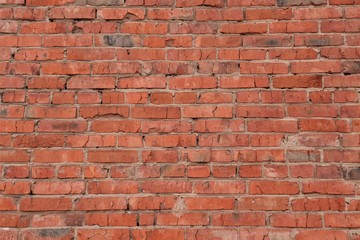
(318, 40)
(39, 54)
(58, 187)
(152, 203)
(312, 111)
(159, 156)
(163, 233)
(96, 204)
(324, 125)
(115, 67)
(195, 28)
(329, 187)
(224, 140)
(67, 40)
(264, 14)
(212, 3)
(212, 233)
(166, 186)
(243, 28)
(192, 83)
(314, 140)
(13, 221)
(345, 96)
(297, 81)
(341, 81)
(142, 82)
(15, 187)
(103, 111)
(350, 220)
(16, 126)
(48, 3)
(7, 204)
(293, 27)
(161, 98)
(173, 14)
(260, 111)
(260, 233)
(62, 126)
(296, 220)
(318, 204)
(42, 172)
(191, 54)
(233, 3)
(274, 187)
(211, 41)
(350, 111)
(339, 26)
(108, 97)
(263, 203)
(238, 219)
(302, 171)
(55, 233)
(250, 171)
(17, 172)
(321, 234)
(144, 28)
(111, 233)
(272, 126)
(198, 156)
(155, 112)
(105, 156)
(185, 219)
(219, 126)
(316, 67)
(64, 98)
(179, 171)
(56, 220)
(47, 83)
(66, 68)
(267, 41)
(95, 171)
(112, 187)
(290, 54)
(275, 171)
(72, 13)
(207, 112)
(140, 54)
(320, 97)
(111, 219)
(198, 171)
(115, 126)
(172, 41)
(209, 203)
(243, 82)
(219, 187)
(50, 112)
(218, 15)
(69, 172)
(16, 156)
(14, 41)
(263, 68)
(283, 3)
(45, 204)
(53, 156)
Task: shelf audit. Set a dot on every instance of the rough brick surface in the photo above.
(179, 119)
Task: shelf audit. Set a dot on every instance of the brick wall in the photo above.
(179, 119)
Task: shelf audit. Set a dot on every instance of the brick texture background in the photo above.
(179, 119)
